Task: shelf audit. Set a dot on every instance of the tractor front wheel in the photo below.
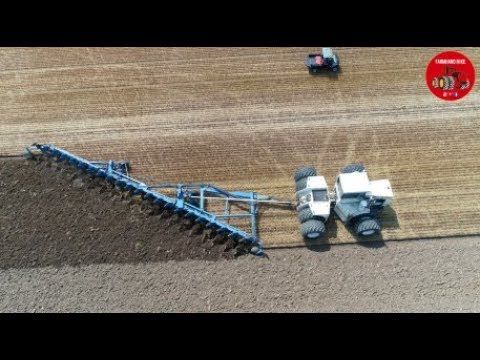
(312, 229)
(367, 227)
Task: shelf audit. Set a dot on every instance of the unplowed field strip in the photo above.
(245, 118)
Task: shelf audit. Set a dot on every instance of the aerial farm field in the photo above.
(242, 119)
(246, 118)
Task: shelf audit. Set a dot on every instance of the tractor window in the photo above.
(320, 195)
(352, 195)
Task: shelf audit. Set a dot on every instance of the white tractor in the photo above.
(355, 199)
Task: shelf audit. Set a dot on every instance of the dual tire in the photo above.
(311, 227)
(367, 227)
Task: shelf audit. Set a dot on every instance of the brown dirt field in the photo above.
(402, 276)
(245, 118)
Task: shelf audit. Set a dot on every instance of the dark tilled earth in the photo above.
(52, 216)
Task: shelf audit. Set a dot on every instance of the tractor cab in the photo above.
(356, 195)
(315, 197)
(326, 60)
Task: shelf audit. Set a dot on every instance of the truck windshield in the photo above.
(320, 195)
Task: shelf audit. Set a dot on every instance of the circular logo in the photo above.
(450, 75)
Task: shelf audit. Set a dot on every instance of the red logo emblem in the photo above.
(450, 75)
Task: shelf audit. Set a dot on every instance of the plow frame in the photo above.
(116, 173)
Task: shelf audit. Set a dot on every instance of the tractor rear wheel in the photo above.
(353, 168)
(312, 229)
(304, 172)
(301, 184)
(305, 215)
(367, 227)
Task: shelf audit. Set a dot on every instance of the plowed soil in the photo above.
(51, 216)
(245, 118)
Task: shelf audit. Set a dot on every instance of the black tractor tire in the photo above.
(304, 172)
(353, 168)
(312, 229)
(367, 227)
(305, 214)
(301, 184)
